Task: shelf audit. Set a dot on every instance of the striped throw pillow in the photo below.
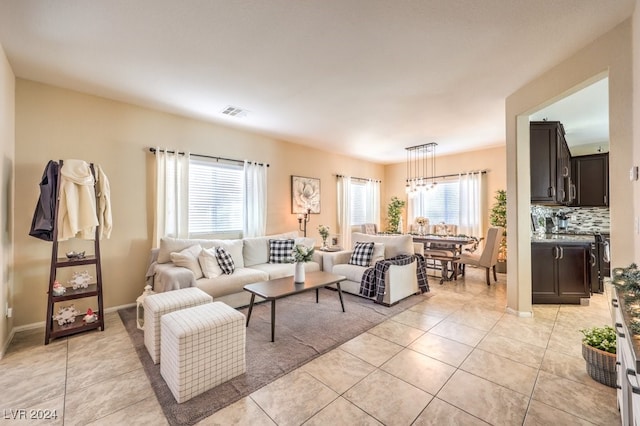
(280, 251)
(362, 253)
(225, 261)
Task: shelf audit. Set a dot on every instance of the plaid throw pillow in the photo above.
(280, 251)
(225, 261)
(362, 253)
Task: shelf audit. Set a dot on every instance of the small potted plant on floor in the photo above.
(599, 351)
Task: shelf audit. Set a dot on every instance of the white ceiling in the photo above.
(584, 116)
(365, 78)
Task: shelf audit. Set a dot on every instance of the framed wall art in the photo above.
(305, 194)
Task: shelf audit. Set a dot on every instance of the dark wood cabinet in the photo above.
(591, 176)
(550, 162)
(559, 272)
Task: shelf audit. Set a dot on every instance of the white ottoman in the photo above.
(201, 347)
(156, 305)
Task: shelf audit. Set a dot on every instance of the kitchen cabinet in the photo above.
(628, 370)
(560, 272)
(591, 176)
(550, 161)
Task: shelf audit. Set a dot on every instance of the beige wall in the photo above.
(636, 120)
(493, 160)
(53, 123)
(610, 54)
(7, 148)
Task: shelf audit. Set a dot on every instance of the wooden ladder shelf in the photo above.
(53, 329)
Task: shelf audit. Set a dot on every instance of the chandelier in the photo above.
(421, 167)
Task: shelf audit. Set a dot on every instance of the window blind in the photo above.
(440, 204)
(215, 197)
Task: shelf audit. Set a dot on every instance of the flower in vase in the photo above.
(302, 253)
(323, 230)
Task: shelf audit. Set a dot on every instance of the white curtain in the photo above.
(471, 189)
(344, 210)
(373, 202)
(172, 195)
(255, 200)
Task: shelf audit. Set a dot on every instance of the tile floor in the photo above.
(455, 358)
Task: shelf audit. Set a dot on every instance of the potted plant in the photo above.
(498, 217)
(599, 351)
(394, 212)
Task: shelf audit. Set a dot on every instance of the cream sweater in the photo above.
(76, 202)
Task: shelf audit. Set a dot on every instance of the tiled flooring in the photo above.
(455, 358)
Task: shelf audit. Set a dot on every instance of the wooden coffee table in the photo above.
(283, 287)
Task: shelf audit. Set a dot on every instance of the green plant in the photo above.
(394, 210)
(603, 338)
(302, 253)
(498, 217)
(323, 230)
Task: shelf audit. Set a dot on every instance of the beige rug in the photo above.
(304, 330)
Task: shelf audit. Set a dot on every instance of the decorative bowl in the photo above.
(75, 255)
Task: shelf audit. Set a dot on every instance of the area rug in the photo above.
(304, 330)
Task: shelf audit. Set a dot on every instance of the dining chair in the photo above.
(488, 258)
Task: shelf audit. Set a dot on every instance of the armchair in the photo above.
(400, 280)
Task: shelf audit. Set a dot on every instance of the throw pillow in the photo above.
(225, 260)
(378, 253)
(361, 255)
(280, 251)
(188, 258)
(209, 263)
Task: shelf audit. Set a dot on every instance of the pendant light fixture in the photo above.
(421, 167)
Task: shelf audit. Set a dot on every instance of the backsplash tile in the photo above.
(587, 219)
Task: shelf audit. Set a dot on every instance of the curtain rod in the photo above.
(358, 178)
(484, 172)
(153, 150)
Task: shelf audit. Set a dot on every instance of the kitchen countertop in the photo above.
(564, 238)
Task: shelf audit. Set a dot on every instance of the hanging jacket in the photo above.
(77, 216)
(104, 203)
(42, 223)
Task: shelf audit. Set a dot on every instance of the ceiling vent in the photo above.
(232, 111)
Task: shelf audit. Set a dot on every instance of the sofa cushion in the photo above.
(378, 253)
(230, 284)
(225, 260)
(361, 255)
(234, 247)
(394, 245)
(351, 272)
(209, 263)
(305, 241)
(169, 245)
(279, 270)
(280, 251)
(188, 258)
(256, 249)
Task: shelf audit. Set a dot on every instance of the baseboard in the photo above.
(7, 343)
(521, 314)
(41, 324)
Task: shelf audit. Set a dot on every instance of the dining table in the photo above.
(446, 250)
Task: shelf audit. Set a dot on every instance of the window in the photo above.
(358, 203)
(215, 197)
(439, 204)
(365, 202)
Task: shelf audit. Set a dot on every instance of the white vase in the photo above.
(298, 273)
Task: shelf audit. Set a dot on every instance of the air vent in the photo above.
(232, 111)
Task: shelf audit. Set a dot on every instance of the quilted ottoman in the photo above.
(201, 347)
(156, 305)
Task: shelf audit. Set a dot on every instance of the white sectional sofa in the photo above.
(400, 281)
(251, 259)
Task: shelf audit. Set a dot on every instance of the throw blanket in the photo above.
(373, 284)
